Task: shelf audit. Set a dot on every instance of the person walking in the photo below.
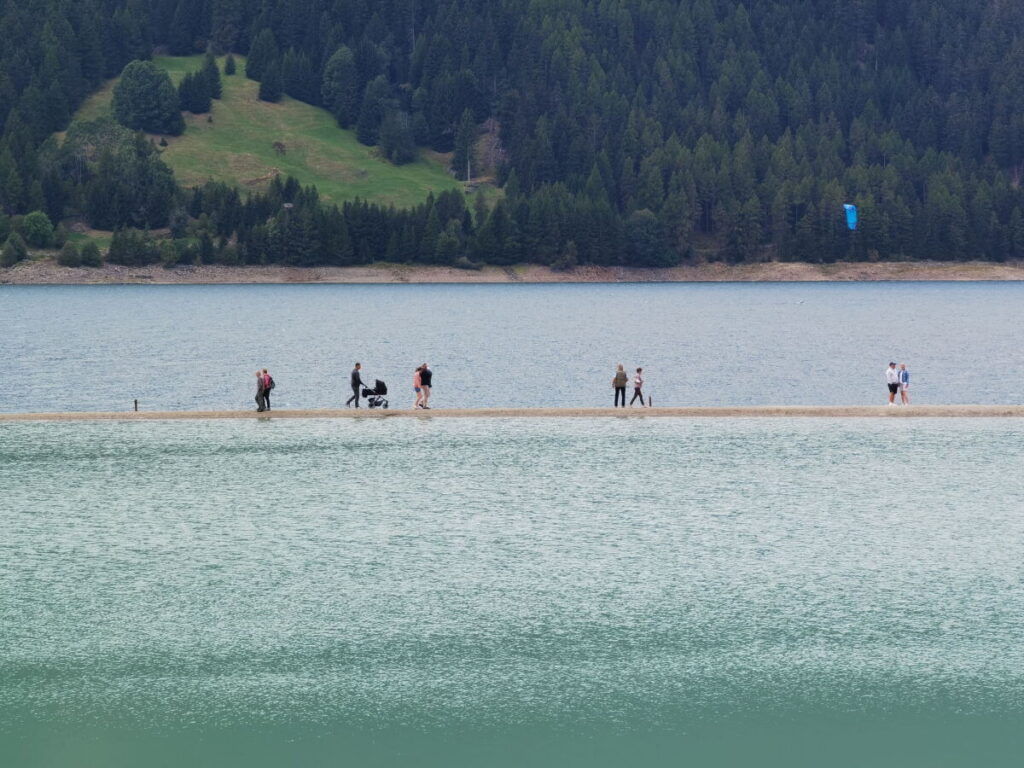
(638, 386)
(619, 384)
(268, 384)
(426, 377)
(261, 393)
(417, 387)
(356, 381)
(892, 380)
(904, 384)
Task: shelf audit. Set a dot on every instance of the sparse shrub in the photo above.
(37, 230)
(14, 250)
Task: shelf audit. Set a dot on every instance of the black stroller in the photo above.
(375, 397)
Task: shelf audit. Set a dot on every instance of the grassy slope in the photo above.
(237, 147)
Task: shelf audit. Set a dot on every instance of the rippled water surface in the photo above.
(197, 347)
(490, 592)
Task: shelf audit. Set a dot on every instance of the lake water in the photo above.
(196, 347)
(509, 592)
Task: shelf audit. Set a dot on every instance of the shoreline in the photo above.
(48, 272)
(761, 411)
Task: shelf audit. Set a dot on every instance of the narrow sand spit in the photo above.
(764, 411)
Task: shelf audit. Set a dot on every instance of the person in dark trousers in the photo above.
(638, 386)
(261, 393)
(357, 382)
(426, 375)
(268, 384)
(619, 383)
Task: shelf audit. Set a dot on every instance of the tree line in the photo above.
(686, 129)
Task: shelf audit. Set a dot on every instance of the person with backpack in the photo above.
(261, 393)
(268, 384)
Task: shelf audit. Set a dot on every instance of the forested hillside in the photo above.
(623, 131)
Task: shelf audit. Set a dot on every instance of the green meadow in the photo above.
(237, 146)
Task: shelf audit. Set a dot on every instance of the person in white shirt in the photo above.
(892, 378)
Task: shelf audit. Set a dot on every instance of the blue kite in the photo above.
(851, 216)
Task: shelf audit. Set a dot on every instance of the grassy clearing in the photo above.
(237, 147)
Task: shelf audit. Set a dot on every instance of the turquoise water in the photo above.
(197, 347)
(508, 592)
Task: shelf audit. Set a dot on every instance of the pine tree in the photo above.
(229, 65)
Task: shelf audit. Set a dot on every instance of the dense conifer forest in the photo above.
(639, 132)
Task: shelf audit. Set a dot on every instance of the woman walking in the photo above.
(619, 382)
(638, 385)
(417, 387)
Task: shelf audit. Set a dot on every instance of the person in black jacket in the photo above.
(357, 382)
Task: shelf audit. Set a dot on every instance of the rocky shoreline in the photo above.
(48, 272)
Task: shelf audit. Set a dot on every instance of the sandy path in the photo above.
(768, 411)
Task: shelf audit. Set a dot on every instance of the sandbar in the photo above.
(760, 411)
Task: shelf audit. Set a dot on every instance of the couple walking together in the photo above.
(421, 383)
(619, 384)
(264, 383)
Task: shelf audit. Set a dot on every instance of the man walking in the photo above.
(892, 379)
(425, 377)
(357, 382)
(904, 384)
(261, 393)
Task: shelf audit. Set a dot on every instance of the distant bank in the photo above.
(760, 411)
(46, 272)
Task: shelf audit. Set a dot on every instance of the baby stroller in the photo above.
(375, 397)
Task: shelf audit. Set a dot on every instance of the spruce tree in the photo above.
(261, 54)
(229, 65)
(145, 99)
(211, 73)
(372, 111)
(465, 140)
(340, 89)
(272, 84)
(90, 255)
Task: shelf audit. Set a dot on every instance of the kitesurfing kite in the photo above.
(851, 216)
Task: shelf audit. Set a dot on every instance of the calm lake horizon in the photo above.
(506, 592)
